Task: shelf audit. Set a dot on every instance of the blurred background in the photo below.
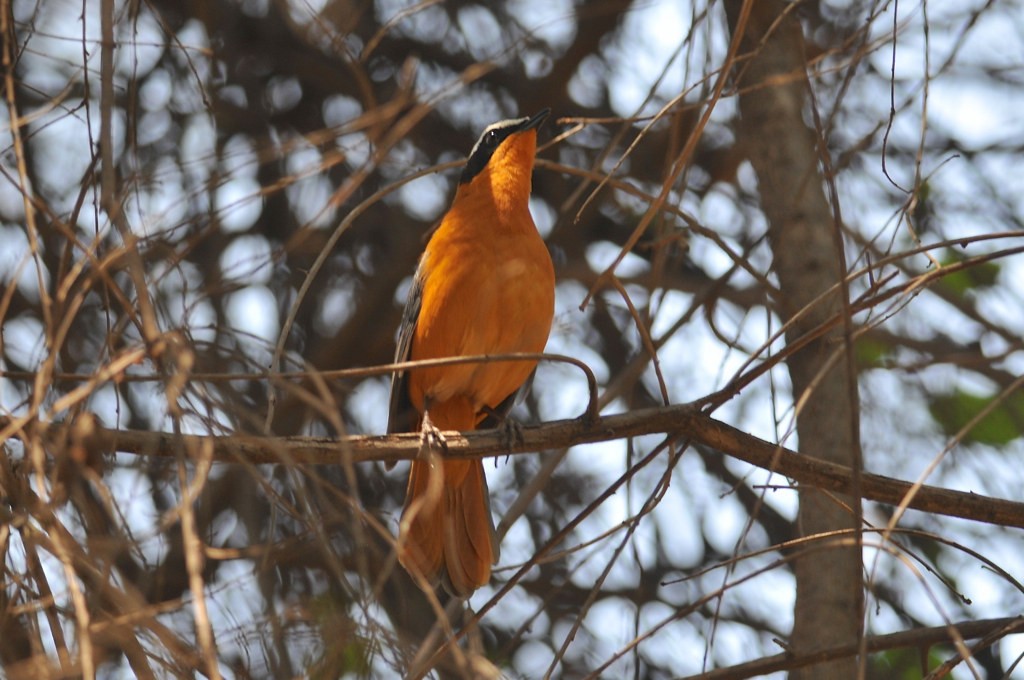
(233, 196)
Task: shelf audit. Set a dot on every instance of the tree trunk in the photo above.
(807, 260)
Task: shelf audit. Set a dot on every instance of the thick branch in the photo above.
(682, 422)
(918, 637)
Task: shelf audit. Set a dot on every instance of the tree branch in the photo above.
(681, 422)
(918, 637)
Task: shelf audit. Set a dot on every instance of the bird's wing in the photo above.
(499, 413)
(402, 415)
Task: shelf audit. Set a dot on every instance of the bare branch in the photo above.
(918, 637)
(681, 422)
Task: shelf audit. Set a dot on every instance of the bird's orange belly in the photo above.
(502, 308)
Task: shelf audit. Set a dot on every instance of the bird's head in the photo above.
(501, 162)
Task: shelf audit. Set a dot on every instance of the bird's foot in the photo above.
(509, 429)
(431, 439)
(511, 432)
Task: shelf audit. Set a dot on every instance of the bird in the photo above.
(485, 284)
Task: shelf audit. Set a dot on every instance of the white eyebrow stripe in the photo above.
(511, 122)
(500, 125)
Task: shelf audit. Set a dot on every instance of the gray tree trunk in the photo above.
(808, 260)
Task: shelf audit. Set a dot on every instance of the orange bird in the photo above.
(484, 285)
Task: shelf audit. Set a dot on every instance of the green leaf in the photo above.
(1001, 426)
(345, 650)
(983, 275)
(871, 352)
(905, 664)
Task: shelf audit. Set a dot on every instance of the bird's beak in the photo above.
(536, 120)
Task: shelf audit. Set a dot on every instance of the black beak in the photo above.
(536, 120)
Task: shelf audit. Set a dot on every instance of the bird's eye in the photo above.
(491, 138)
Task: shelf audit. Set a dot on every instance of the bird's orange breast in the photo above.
(488, 288)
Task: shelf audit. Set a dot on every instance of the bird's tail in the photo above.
(446, 529)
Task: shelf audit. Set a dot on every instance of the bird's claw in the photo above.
(431, 439)
(511, 432)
